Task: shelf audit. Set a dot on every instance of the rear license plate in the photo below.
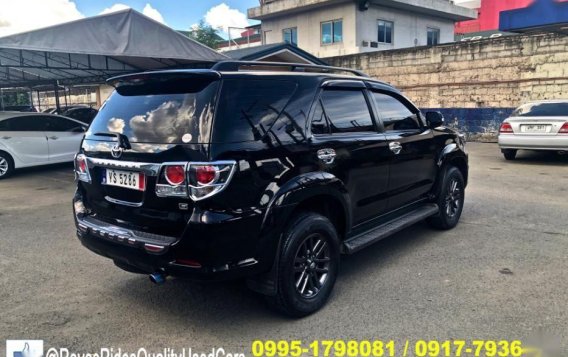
(535, 128)
(125, 179)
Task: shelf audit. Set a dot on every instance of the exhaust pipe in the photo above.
(158, 278)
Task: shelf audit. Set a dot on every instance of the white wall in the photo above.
(309, 34)
(408, 27)
(358, 26)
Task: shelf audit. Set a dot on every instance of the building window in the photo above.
(433, 36)
(385, 31)
(290, 35)
(331, 32)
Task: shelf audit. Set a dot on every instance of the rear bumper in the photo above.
(224, 247)
(533, 142)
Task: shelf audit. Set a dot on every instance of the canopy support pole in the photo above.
(55, 87)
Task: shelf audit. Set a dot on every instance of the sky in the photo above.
(24, 15)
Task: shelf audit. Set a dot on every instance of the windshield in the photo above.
(542, 110)
(171, 118)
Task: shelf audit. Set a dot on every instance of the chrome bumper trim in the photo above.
(129, 237)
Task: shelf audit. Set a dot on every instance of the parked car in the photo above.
(541, 125)
(19, 108)
(267, 175)
(32, 139)
(83, 114)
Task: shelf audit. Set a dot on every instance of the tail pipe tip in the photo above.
(158, 278)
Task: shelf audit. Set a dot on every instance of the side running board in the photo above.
(376, 234)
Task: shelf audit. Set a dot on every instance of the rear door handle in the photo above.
(327, 156)
(395, 147)
(53, 138)
(6, 137)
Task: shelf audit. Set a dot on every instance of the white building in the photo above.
(328, 28)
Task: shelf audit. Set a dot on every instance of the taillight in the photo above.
(82, 168)
(204, 175)
(175, 174)
(564, 129)
(172, 180)
(506, 128)
(196, 180)
(209, 178)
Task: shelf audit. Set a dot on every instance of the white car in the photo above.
(32, 139)
(539, 125)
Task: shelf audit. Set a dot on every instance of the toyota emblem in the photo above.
(116, 151)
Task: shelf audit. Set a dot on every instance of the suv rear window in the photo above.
(248, 108)
(148, 116)
(542, 110)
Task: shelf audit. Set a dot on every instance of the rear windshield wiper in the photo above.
(121, 138)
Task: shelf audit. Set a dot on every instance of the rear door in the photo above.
(343, 124)
(64, 138)
(159, 118)
(412, 148)
(25, 137)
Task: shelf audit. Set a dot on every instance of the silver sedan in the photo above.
(539, 125)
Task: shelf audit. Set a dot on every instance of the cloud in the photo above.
(222, 17)
(148, 11)
(25, 15)
(153, 13)
(115, 8)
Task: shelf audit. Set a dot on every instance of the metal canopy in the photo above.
(91, 50)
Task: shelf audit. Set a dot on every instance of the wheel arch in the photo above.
(453, 155)
(319, 192)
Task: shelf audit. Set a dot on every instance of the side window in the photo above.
(320, 124)
(395, 114)
(26, 123)
(61, 124)
(248, 108)
(347, 111)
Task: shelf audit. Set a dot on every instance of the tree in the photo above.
(205, 34)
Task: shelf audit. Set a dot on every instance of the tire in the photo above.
(509, 154)
(6, 165)
(305, 283)
(450, 198)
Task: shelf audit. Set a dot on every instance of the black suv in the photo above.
(262, 171)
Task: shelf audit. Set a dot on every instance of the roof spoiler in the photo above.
(235, 66)
(162, 76)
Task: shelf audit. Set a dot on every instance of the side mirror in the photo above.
(434, 119)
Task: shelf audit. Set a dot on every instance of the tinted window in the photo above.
(248, 108)
(433, 37)
(385, 31)
(395, 114)
(145, 115)
(542, 110)
(61, 124)
(332, 32)
(347, 111)
(320, 124)
(27, 123)
(85, 115)
(290, 35)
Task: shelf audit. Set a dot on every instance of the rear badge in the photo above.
(186, 138)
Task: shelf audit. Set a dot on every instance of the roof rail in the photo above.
(235, 66)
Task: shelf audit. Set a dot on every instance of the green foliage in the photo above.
(205, 34)
(15, 98)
